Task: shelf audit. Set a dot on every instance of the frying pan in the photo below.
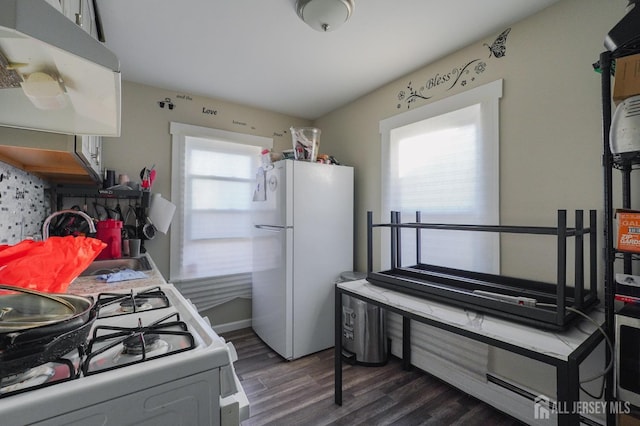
(19, 358)
(41, 328)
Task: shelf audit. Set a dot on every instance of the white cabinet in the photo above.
(82, 13)
(89, 149)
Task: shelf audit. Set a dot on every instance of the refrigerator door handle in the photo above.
(273, 228)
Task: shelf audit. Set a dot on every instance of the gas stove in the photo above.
(150, 358)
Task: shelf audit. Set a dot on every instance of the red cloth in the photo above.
(48, 266)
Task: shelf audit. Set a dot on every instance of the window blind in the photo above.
(213, 174)
(442, 160)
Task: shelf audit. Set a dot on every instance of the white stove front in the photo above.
(194, 387)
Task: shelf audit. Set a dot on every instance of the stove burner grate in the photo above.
(113, 304)
(138, 344)
(51, 373)
(114, 347)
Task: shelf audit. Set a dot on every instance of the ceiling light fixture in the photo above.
(324, 15)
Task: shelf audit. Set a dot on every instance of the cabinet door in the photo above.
(96, 153)
(89, 149)
(81, 12)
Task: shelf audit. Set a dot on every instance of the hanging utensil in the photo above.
(152, 177)
(131, 231)
(144, 178)
(101, 211)
(119, 211)
(149, 230)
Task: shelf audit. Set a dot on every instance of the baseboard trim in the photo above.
(231, 326)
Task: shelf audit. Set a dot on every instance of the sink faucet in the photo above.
(47, 221)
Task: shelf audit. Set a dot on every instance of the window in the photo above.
(213, 175)
(442, 160)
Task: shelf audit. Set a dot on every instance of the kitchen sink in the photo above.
(107, 266)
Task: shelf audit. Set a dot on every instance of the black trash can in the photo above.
(364, 331)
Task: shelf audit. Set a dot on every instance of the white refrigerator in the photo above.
(303, 239)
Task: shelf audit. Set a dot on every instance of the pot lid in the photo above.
(21, 308)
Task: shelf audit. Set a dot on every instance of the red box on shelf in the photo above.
(628, 222)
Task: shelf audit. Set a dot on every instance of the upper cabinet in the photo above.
(57, 76)
(54, 158)
(82, 13)
(89, 150)
(64, 149)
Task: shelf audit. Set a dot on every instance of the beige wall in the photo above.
(550, 129)
(145, 139)
(550, 134)
(550, 137)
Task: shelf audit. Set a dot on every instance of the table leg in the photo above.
(406, 343)
(568, 389)
(338, 346)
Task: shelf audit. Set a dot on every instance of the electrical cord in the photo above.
(609, 344)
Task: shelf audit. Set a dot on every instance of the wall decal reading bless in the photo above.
(461, 75)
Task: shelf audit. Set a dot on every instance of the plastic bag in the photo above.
(48, 266)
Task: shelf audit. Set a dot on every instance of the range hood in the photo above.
(54, 76)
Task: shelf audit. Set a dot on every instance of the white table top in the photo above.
(556, 344)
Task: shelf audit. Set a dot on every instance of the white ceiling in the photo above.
(259, 53)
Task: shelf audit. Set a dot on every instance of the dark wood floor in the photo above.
(301, 392)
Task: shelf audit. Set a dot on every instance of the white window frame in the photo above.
(488, 96)
(229, 287)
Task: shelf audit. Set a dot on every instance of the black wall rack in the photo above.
(59, 192)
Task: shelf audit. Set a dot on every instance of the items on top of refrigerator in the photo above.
(289, 154)
(306, 143)
(266, 158)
